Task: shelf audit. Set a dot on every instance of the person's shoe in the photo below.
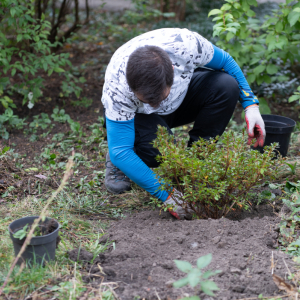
(116, 181)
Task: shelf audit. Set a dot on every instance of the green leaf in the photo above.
(251, 78)
(279, 27)
(293, 17)
(226, 6)
(13, 72)
(183, 266)
(208, 286)
(12, 11)
(204, 261)
(229, 36)
(58, 70)
(250, 13)
(245, 5)
(5, 149)
(252, 2)
(191, 298)
(181, 282)
(19, 37)
(208, 274)
(272, 69)
(262, 101)
(294, 98)
(214, 12)
(264, 110)
(259, 69)
(53, 156)
(194, 277)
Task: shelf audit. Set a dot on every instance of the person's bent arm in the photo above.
(223, 61)
(121, 135)
(255, 125)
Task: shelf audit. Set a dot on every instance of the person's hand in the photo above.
(255, 125)
(176, 209)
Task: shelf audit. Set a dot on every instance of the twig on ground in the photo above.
(272, 263)
(271, 297)
(31, 294)
(113, 292)
(157, 294)
(287, 267)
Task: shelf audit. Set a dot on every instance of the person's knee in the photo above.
(228, 85)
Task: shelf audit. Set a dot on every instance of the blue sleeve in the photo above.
(223, 61)
(120, 136)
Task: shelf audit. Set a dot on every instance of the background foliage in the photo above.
(268, 48)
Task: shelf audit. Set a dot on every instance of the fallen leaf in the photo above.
(283, 285)
(41, 176)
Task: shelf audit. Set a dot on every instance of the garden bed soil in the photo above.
(146, 244)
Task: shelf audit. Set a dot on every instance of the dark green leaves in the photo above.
(264, 42)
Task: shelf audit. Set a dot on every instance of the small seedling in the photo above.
(58, 137)
(292, 167)
(75, 127)
(196, 276)
(20, 234)
(60, 115)
(4, 150)
(43, 121)
(84, 102)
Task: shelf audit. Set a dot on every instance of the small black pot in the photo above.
(40, 248)
(278, 130)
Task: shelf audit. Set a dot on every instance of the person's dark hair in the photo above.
(149, 72)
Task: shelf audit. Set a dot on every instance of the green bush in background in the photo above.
(264, 48)
(25, 53)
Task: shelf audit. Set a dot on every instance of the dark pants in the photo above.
(209, 102)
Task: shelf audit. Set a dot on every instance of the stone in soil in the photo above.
(148, 242)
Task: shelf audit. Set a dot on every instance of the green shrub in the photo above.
(262, 47)
(213, 177)
(8, 121)
(26, 52)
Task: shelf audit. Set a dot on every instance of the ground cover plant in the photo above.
(214, 176)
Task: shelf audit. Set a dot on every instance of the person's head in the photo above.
(149, 74)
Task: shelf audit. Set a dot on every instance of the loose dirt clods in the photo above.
(147, 243)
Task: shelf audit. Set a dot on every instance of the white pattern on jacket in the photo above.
(187, 50)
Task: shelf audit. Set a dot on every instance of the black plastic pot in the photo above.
(40, 248)
(278, 130)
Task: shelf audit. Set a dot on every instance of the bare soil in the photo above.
(148, 242)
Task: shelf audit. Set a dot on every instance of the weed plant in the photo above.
(289, 225)
(196, 276)
(212, 177)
